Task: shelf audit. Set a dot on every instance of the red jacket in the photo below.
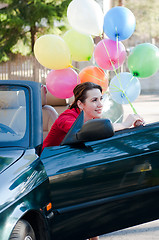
(61, 127)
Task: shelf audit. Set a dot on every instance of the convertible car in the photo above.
(97, 181)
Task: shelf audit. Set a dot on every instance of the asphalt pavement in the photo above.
(147, 231)
(147, 106)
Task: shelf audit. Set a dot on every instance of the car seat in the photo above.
(48, 112)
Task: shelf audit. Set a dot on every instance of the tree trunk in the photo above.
(33, 33)
(120, 2)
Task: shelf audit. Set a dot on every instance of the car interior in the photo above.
(52, 107)
(13, 111)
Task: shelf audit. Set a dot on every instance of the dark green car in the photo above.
(96, 182)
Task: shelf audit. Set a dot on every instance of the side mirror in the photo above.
(92, 130)
(95, 129)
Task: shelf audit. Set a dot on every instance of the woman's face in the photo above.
(92, 106)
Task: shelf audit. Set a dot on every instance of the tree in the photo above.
(120, 2)
(23, 19)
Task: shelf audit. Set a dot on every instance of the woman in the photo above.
(88, 97)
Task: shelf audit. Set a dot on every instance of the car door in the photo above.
(98, 184)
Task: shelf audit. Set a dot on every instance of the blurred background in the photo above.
(22, 22)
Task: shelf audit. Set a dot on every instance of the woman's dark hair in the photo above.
(80, 92)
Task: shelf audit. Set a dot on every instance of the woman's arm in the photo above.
(132, 120)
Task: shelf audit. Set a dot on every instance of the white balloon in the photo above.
(86, 17)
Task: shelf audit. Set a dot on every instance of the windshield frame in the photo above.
(24, 141)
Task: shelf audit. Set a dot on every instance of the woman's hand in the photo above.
(132, 120)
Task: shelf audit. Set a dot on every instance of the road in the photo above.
(147, 231)
(146, 106)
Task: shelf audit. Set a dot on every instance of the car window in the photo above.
(12, 113)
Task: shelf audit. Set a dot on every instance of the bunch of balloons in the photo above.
(86, 21)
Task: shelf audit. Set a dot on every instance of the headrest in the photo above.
(43, 95)
(9, 99)
(49, 99)
(54, 101)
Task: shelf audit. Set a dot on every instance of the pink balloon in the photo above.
(60, 83)
(109, 54)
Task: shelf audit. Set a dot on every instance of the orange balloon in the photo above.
(95, 75)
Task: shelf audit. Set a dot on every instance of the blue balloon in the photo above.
(124, 88)
(119, 22)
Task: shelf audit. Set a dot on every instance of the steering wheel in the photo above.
(4, 129)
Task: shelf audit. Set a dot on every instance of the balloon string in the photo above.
(89, 74)
(126, 98)
(119, 78)
(109, 57)
(130, 103)
(71, 66)
(129, 82)
(117, 46)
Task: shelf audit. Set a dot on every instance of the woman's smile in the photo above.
(92, 106)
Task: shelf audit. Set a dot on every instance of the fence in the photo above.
(28, 68)
(23, 68)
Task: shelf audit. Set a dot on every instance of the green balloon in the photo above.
(143, 61)
(81, 46)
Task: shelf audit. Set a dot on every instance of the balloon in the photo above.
(112, 110)
(143, 60)
(119, 22)
(52, 52)
(109, 54)
(81, 46)
(123, 87)
(95, 75)
(60, 83)
(86, 17)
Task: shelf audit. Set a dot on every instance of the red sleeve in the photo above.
(66, 121)
(60, 128)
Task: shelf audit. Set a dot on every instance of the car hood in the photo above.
(8, 157)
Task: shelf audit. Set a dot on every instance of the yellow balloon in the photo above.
(81, 45)
(52, 52)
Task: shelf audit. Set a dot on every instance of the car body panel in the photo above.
(127, 158)
(124, 168)
(7, 158)
(20, 186)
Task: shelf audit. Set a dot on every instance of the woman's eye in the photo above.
(94, 100)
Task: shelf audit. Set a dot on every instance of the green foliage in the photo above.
(23, 20)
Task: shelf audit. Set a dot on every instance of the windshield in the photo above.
(12, 113)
